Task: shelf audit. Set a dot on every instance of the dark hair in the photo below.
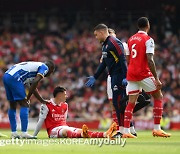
(50, 64)
(142, 22)
(100, 26)
(58, 90)
(110, 30)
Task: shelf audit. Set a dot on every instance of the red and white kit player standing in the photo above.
(54, 114)
(142, 74)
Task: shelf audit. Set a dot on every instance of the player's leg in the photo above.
(72, 132)
(149, 86)
(142, 101)
(133, 90)
(24, 114)
(109, 94)
(91, 134)
(158, 110)
(65, 132)
(19, 95)
(118, 93)
(7, 81)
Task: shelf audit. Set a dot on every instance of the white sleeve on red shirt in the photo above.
(42, 116)
(43, 111)
(150, 46)
(66, 113)
(126, 49)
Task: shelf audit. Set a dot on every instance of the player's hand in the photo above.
(90, 82)
(124, 82)
(158, 84)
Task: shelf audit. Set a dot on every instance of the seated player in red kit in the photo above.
(54, 114)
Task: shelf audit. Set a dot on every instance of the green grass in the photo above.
(144, 144)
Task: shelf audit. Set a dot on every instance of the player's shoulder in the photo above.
(113, 39)
(115, 42)
(65, 104)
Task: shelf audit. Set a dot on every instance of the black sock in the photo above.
(142, 103)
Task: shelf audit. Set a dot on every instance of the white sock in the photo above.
(157, 127)
(126, 130)
(14, 132)
(132, 130)
(121, 129)
(24, 132)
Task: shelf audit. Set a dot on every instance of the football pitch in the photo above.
(144, 144)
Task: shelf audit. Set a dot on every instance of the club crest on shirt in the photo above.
(115, 88)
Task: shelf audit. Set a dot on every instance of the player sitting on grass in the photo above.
(55, 113)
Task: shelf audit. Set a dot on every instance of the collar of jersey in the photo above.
(140, 31)
(52, 102)
(106, 40)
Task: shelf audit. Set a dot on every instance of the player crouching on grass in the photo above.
(55, 113)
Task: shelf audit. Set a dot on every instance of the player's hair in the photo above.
(50, 64)
(142, 22)
(110, 30)
(58, 90)
(100, 27)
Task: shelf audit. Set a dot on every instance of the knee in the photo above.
(64, 133)
(13, 105)
(158, 95)
(23, 103)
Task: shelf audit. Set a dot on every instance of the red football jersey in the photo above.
(56, 115)
(138, 45)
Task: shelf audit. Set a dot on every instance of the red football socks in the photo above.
(96, 134)
(72, 134)
(157, 111)
(128, 114)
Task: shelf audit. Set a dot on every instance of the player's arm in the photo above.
(100, 69)
(66, 113)
(42, 116)
(38, 96)
(34, 85)
(151, 63)
(126, 52)
(92, 79)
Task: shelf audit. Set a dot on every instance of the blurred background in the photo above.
(62, 30)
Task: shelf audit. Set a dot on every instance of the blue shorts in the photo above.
(15, 90)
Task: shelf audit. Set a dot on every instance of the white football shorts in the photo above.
(135, 87)
(57, 131)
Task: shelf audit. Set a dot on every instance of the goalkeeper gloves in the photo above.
(90, 82)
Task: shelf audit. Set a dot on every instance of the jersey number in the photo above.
(134, 52)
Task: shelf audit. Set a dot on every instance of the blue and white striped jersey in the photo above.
(27, 71)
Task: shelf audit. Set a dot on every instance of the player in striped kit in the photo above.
(15, 79)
